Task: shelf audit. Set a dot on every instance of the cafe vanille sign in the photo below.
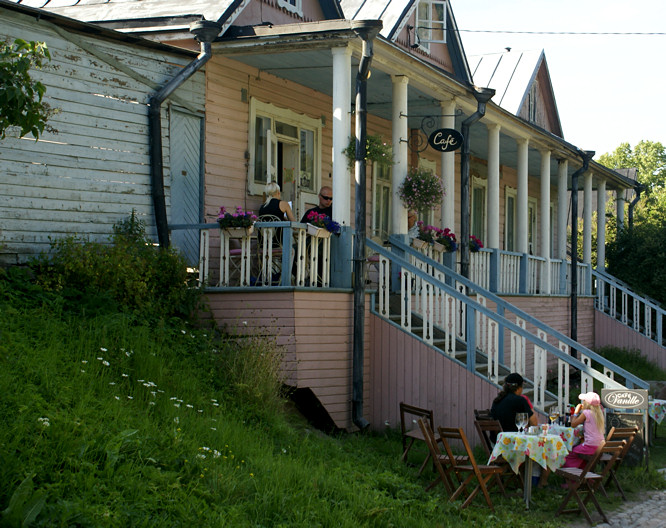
(445, 140)
(624, 398)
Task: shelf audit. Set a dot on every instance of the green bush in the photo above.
(130, 274)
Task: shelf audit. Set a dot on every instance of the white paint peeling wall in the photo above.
(95, 169)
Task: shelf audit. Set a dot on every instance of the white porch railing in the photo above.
(509, 280)
(468, 331)
(633, 310)
(270, 254)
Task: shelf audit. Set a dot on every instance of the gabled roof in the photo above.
(512, 74)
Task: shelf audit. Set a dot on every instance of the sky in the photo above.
(609, 89)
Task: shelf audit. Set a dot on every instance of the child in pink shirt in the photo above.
(589, 413)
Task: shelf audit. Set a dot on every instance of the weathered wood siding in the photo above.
(405, 369)
(94, 170)
(610, 332)
(316, 330)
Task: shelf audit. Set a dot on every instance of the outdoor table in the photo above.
(570, 435)
(657, 410)
(548, 451)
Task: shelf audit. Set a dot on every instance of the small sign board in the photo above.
(636, 399)
(445, 140)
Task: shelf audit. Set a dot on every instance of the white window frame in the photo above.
(533, 230)
(479, 183)
(284, 115)
(377, 201)
(509, 192)
(293, 6)
(426, 25)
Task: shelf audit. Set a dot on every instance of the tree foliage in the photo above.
(21, 97)
(637, 255)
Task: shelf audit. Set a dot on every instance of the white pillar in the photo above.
(341, 134)
(449, 169)
(587, 218)
(544, 250)
(493, 216)
(400, 154)
(562, 208)
(620, 201)
(601, 224)
(521, 197)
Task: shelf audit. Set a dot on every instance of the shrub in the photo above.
(130, 273)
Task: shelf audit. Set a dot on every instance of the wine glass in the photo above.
(553, 416)
(521, 421)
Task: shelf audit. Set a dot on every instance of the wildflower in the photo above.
(251, 474)
(112, 383)
(130, 397)
(105, 363)
(151, 403)
(213, 428)
(176, 419)
(84, 361)
(183, 332)
(189, 406)
(124, 375)
(102, 349)
(177, 405)
(83, 371)
(100, 359)
(44, 422)
(117, 397)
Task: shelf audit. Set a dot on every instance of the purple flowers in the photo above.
(474, 244)
(421, 190)
(322, 220)
(238, 219)
(430, 233)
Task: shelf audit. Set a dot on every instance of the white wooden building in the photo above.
(95, 169)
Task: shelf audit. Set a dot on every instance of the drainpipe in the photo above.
(586, 156)
(366, 33)
(205, 31)
(482, 96)
(639, 187)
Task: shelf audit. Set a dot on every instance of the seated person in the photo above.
(325, 204)
(275, 206)
(509, 402)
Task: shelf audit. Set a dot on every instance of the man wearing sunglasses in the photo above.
(325, 204)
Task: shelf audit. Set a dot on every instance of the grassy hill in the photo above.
(113, 417)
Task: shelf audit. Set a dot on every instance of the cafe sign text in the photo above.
(445, 140)
(624, 398)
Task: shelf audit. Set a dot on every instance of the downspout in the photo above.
(639, 187)
(205, 31)
(482, 96)
(586, 157)
(366, 33)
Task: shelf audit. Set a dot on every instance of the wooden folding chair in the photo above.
(409, 414)
(442, 462)
(482, 414)
(466, 473)
(586, 481)
(488, 431)
(619, 433)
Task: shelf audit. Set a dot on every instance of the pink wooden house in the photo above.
(288, 83)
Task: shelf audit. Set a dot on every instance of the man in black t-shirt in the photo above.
(325, 204)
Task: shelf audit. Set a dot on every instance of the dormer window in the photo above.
(431, 23)
(295, 6)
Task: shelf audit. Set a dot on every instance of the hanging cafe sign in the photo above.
(441, 139)
(445, 140)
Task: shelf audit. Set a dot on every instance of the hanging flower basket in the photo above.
(376, 150)
(421, 190)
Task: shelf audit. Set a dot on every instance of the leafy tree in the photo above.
(649, 158)
(21, 97)
(636, 256)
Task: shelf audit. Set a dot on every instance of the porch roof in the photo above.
(301, 53)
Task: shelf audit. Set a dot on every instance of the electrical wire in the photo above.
(621, 33)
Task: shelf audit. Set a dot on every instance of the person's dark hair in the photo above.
(511, 384)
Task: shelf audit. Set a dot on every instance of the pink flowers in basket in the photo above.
(238, 219)
(474, 244)
(430, 233)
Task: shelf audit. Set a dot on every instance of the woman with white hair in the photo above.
(274, 206)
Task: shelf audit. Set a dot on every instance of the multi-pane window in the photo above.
(381, 211)
(284, 147)
(510, 223)
(478, 220)
(431, 22)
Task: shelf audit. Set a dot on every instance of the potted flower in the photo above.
(321, 225)
(447, 239)
(425, 236)
(376, 150)
(421, 190)
(238, 224)
(474, 244)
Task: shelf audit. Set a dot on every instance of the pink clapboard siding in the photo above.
(316, 330)
(405, 369)
(610, 332)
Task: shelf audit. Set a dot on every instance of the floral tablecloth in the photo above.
(657, 410)
(547, 451)
(570, 435)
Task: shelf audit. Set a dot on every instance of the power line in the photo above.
(627, 33)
